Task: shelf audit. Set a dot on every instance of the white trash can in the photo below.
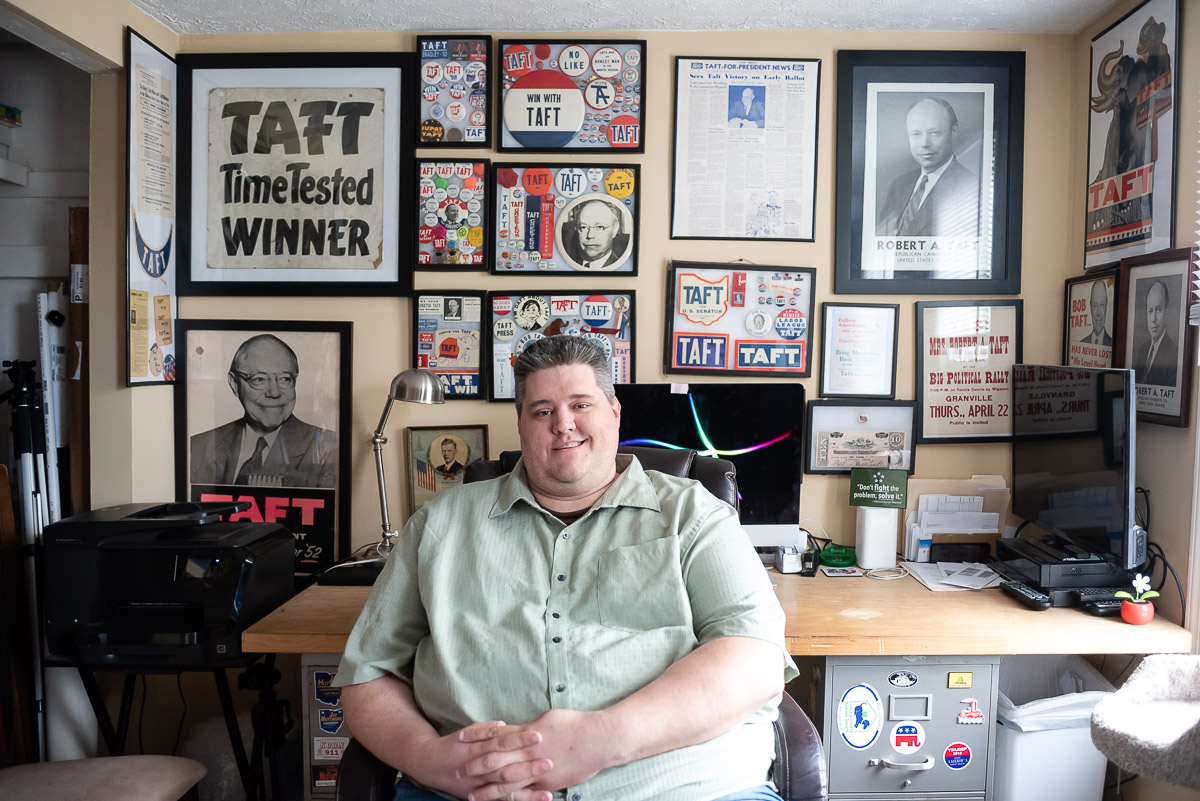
(1043, 735)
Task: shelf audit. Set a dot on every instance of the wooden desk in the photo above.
(825, 616)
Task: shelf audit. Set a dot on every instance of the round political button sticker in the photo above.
(456, 111)
(596, 310)
(606, 62)
(625, 131)
(531, 312)
(601, 340)
(504, 329)
(599, 93)
(859, 716)
(544, 109)
(908, 737)
(537, 180)
(633, 57)
(619, 183)
(502, 305)
(574, 60)
(431, 72)
(528, 339)
(518, 61)
(957, 756)
(569, 182)
(432, 130)
(791, 324)
(454, 72)
(430, 93)
(758, 322)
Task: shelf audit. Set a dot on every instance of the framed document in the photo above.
(858, 350)
(1089, 320)
(930, 153)
(965, 353)
(437, 457)
(572, 94)
(456, 91)
(1153, 336)
(845, 434)
(261, 415)
(738, 320)
(745, 148)
(1132, 131)
(453, 215)
(448, 339)
(294, 168)
(566, 218)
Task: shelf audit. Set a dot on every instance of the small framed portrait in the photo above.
(572, 94)
(858, 350)
(448, 339)
(453, 215)
(566, 218)
(437, 456)
(965, 353)
(456, 91)
(1153, 335)
(261, 415)
(739, 319)
(1090, 319)
(845, 434)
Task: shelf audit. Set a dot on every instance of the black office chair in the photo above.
(799, 771)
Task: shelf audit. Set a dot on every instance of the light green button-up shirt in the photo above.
(493, 609)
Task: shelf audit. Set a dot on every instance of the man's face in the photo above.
(1156, 311)
(747, 96)
(269, 366)
(1099, 303)
(449, 452)
(596, 230)
(930, 135)
(568, 432)
(453, 307)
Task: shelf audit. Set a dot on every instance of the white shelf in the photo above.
(13, 172)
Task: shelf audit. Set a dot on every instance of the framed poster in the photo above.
(572, 94)
(745, 148)
(1132, 131)
(261, 411)
(453, 210)
(930, 153)
(295, 163)
(437, 457)
(965, 353)
(1089, 320)
(566, 218)
(150, 240)
(448, 339)
(456, 91)
(858, 349)
(845, 434)
(519, 317)
(1153, 335)
(738, 320)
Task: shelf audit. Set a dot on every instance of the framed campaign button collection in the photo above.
(456, 91)
(448, 339)
(566, 218)
(453, 214)
(572, 94)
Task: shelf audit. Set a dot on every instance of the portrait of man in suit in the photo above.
(1156, 354)
(941, 196)
(450, 466)
(746, 110)
(268, 445)
(594, 235)
(1098, 306)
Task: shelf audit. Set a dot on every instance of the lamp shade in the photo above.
(417, 386)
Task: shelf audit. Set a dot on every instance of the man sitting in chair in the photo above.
(579, 625)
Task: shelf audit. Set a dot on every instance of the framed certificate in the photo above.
(858, 350)
(845, 434)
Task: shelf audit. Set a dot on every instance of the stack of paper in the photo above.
(948, 576)
(945, 514)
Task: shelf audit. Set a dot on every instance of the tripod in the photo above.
(271, 718)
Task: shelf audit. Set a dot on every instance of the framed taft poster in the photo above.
(739, 320)
(456, 91)
(295, 163)
(453, 232)
(518, 318)
(261, 413)
(1154, 337)
(448, 340)
(572, 94)
(566, 218)
(1089, 320)
(930, 153)
(1132, 131)
(965, 353)
(437, 457)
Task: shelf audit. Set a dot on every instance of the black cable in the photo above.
(142, 716)
(183, 715)
(1157, 550)
(1141, 519)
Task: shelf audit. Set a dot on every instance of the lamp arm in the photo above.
(378, 440)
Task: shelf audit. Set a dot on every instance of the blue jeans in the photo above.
(405, 791)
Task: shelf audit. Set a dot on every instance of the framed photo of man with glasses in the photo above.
(258, 411)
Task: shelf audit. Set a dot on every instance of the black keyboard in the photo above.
(1089, 594)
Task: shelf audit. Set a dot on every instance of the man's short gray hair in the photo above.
(562, 351)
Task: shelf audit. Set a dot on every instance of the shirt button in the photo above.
(560, 688)
(561, 577)
(556, 639)
(566, 536)
(576, 797)
(555, 615)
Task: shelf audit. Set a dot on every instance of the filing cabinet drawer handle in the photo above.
(887, 763)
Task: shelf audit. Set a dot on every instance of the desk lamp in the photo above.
(411, 386)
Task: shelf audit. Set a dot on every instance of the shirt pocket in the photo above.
(640, 587)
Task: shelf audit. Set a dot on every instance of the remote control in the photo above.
(1107, 607)
(1035, 600)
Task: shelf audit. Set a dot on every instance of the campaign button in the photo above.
(425, 234)
(908, 736)
(504, 329)
(454, 72)
(957, 756)
(518, 61)
(633, 57)
(430, 93)
(475, 74)
(629, 75)
(600, 93)
(456, 111)
(503, 304)
(437, 111)
(758, 322)
(431, 72)
(619, 183)
(597, 310)
(425, 187)
(574, 60)
(478, 116)
(432, 130)
(625, 131)
(544, 109)
(606, 62)
(570, 182)
(537, 181)
(458, 91)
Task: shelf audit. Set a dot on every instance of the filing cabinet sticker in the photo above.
(957, 756)
(331, 720)
(859, 716)
(329, 747)
(323, 689)
(907, 737)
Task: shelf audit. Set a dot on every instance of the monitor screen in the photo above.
(1073, 456)
(757, 426)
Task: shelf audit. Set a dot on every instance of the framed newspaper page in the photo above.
(965, 353)
(858, 349)
(845, 434)
(930, 153)
(1090, 319)
(456, 91)
(725, 319)
(294, 167)
(1132, 132)
(448, 339)
(745, 151)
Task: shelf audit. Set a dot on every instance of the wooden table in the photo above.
(825, 616)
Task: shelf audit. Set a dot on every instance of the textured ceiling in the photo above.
(286, 16)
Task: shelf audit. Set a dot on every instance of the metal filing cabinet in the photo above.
(325, 732)
(904, 727)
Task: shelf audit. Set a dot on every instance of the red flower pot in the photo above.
(1138, 613)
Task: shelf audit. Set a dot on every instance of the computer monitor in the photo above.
(1073, 458)
(757, 426)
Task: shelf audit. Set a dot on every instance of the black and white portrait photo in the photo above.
(595, 233)
(452, 309)
(1156, 327)
(746, 106)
